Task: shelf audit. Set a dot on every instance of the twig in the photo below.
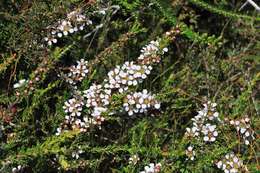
(243, 6)
(252, 3)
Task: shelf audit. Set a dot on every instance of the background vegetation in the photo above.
(215, 57)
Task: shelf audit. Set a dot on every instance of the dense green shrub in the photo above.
(204, 52)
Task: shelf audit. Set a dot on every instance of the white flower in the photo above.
(157, 106)
(129, 74)
(243, 127)
(219, 164)
(74, 21)
(231, 164)
(76, 154)
(73, 106)
(75, 29)
(58, 131)
(16, 169)
(150, 53)
(202, 123)
(209, 132)
(98, 111)
(71, 30)
(190, 153)
(65, 33)
(59, 34)
(81, 27)
(152, 168)
(20, 83)
(209, 111)
(140, 102)
(134, 159)
(54, 40)
(97, 98)
(77, 73)
(165, 49)
(103, 12)
(50, 40)
(192, 132)
(49, 43)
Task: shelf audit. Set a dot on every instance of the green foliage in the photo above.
(223, 12)
(210, 59)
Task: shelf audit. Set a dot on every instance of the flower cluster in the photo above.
(27, 84)
(203, 126)
(173, 33)
(74, 119)
(231, 164)
(76, 154)
(77, 72)
(209, 132)
(92, 98)
(129, 74)
(97, 98)
(58, 131)
(190, 153)
(152, 168)
(17, 169)
(202, 123)
(191, 132)
(244, 129)
(140, 102)
(74, 22)
(20, 83)
(134, 159)
(82, 123)
(73, 106)
(209, 111)
(150, 53)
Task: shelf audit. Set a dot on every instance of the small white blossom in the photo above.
(50, 40)
(103, 12)
(17, 169)
(150, 53)
(97, 98)
(202, 123)
(76, 154)
(152, 168)
(165, 49)
(74, 22)
(79, 122)
(209, 111)
(140, 102)
(58, 131)
(134, 159)
(129, 74)
(73, 106)
(190, 153)
(244, 129)
(209, 132)
(77, 72)
(192, 132)
(98, 120)
(20, 83)
(231, 164)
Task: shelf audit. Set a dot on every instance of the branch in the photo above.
(252, 3)
(243, 6)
